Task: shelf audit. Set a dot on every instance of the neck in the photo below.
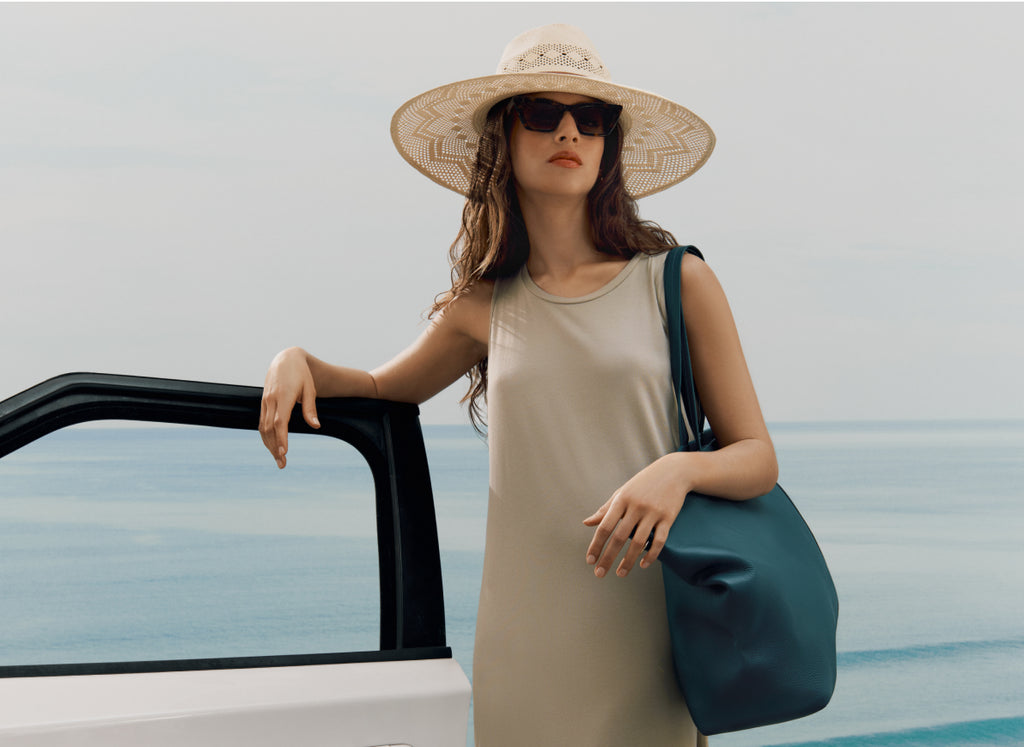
(560, 235)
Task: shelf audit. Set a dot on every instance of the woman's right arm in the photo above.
(453, 343)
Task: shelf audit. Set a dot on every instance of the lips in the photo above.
(566, 158)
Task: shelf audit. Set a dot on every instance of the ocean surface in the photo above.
(127, 543)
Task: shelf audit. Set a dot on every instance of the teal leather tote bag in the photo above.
(751, 605)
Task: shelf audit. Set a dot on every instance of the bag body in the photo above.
(752, 607)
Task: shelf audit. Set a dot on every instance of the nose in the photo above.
(566, 129)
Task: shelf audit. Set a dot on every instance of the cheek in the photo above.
(594, 156)
(523, 150)
(522, 141)
(515, 147)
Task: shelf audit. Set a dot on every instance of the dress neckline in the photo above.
(608, 287)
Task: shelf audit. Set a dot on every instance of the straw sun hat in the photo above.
(437, 131)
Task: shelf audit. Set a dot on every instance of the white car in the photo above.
(408, 692)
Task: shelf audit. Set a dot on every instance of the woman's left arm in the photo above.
(743, 467)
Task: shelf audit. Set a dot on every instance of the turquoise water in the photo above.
(137, 543)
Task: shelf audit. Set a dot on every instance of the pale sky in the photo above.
(186, 189)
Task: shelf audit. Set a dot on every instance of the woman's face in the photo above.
(559, 163)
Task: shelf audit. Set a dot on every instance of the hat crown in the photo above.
(556, 48)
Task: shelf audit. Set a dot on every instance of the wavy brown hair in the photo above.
(493, 243)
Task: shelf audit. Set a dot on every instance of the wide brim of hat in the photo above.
(437, 132)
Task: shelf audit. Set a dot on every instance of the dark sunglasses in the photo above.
(544, 115)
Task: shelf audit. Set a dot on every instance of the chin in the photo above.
(557, 188)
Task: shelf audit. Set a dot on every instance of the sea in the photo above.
(123, 542)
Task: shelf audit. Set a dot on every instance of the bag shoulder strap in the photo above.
(679, 349)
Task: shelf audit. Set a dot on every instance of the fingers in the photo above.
(643, 539)
(605, 524)
(595, 518)
(634, 521)
(275, 414)
(282, 416)
(637, 544)
(264, 419)
(611, 535)
(657, 543)
(288, 381)
(309, 405)
(274, 427)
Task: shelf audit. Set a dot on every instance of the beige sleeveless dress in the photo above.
(579, 400)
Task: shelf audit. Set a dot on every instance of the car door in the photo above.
(407, 691)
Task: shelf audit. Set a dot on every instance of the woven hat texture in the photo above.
(437, 132)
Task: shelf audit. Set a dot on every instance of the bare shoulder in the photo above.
(696, 269)
(470, 312)
(480, 293)
(700, 290)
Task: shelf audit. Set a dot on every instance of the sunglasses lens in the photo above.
(591, 119)
(544, 116)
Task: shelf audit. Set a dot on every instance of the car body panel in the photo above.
(423, 703)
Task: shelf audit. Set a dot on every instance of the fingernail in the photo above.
(622, 572)
(316, 423)
(599, 573)
(644, 564)
(591, 560)
(280, 450)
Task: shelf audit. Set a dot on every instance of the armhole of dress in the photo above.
(498, 282)
(658, 282)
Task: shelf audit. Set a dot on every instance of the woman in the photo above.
(555, 314)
